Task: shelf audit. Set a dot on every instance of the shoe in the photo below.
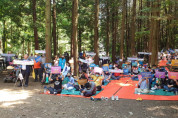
(102, 98)
(25, 85)
(116, 98)
(19, 86)
(112, 98)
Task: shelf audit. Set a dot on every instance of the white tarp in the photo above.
(40, 51)
(176, 50)
(23, 62)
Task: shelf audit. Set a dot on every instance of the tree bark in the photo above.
(96, 34)
(54, 27)
(4, 41)
(107, 29)
(35, 26)
(72, 37)
(48, 30)
(75, 30)
(123, 29)
(133, 29)
(155, 32)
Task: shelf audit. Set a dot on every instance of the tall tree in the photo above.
(74, 34)
(123, 29)
(133, 29)
(154, 35)
(35, 30)
(96, 34)
(48, 30)
(72, 37)
(54, 27)
(107, 28)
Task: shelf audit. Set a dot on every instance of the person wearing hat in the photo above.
(97, 79)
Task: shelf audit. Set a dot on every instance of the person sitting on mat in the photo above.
(143, 86)
(89, 90)
(70, 84)
(116, 76)
(171, 85)
(57, 84)
(97, 78)
(107, 77)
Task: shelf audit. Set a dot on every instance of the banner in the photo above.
(56, 70)
(115, 71)
(105, 68)
(23, 62)
(40, 51)
(146, 74)
(145, 53)
(48, 65)
(91, 53)
(174, 63)
(173, 75)
(160, 74)
(104, 57)
(92, 65)
(134, 63)
(86, 61)
(98, 70)
(8, 55)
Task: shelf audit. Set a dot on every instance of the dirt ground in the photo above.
(20, 102)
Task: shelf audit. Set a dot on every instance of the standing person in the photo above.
(62, 62)
(71, 61)
(25, 72)
(43, 61)
(8, 59)
(56, 61)
(37, 68)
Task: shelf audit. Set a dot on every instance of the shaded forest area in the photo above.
(123, 27)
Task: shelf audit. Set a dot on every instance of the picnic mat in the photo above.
(124, 89)
(128, 92)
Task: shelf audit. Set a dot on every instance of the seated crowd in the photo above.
(90, 81)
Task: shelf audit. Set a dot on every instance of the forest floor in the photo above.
(16, 102)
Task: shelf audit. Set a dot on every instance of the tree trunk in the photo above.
(123, 29)
(54, 27)
(107, 29)
(72, 37)
(80, 40)
(75, 29)
(155, 32)
(35, 25)
(48, 30)
(96, 34)
(133, 25)
(4, 41)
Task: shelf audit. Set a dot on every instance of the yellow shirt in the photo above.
(97, 80)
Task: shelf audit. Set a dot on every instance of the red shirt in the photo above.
(37, 65)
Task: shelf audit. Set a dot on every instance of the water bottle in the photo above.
(45, 88)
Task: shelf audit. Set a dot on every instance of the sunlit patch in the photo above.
(122, 84)
(174, 107)
(10, 97)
